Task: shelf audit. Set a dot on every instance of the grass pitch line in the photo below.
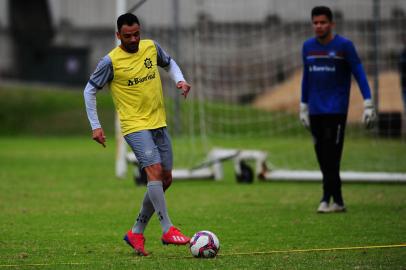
(41, 264)
(312, 250)
(224, 255)
(296, 251)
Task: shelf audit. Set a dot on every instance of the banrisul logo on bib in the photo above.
(136, 81)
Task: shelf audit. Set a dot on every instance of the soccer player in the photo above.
(131, 70)
(328, 62)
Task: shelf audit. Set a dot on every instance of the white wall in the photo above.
(83, 13)
(101, 13)
(3, 13)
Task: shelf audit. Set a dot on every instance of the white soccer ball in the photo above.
(204, 244)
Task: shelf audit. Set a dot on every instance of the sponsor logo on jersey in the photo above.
(136, 81)
(332, 54)
(314, 68)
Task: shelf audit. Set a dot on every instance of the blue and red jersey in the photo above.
(327, 73)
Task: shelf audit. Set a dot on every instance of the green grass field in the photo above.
(62, 208)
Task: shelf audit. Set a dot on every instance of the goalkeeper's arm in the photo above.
(304, 108)
(369, 115)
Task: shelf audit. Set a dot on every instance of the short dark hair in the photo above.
(322, 10)
(128, 19)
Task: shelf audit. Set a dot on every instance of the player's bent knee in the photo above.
(167, 179)
(154, 172)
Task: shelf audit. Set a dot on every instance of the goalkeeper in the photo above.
(328, 62)
(131, 70)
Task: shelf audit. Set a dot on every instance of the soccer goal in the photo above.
(243, 59)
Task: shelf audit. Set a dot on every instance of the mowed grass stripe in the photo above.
(60, 203)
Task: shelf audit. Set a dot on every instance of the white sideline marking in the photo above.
(347, 176)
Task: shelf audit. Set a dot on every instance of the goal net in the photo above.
(243, 59)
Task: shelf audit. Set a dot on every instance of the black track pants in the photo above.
(328, 136)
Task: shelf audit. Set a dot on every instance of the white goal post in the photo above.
(121, 146)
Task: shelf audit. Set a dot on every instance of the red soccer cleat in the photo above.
(175, 237)
(136, 241)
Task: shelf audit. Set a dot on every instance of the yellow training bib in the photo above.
(137, 89)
